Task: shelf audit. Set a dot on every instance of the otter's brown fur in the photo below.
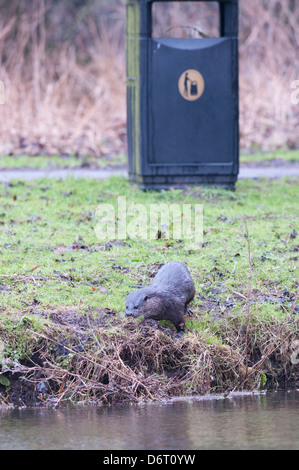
(166, 298)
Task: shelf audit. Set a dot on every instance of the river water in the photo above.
(255, 421)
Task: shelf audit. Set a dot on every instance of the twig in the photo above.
(240, 295)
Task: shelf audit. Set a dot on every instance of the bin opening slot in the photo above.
(185, 19)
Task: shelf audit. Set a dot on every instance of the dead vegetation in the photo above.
(53, 355)
(64, 73)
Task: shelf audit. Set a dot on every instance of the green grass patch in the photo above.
(50, 251)
(291, 156)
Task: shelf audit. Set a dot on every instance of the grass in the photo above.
(59, 282)
(291, 156)
(48, 230)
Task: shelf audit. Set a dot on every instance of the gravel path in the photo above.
(251, 172)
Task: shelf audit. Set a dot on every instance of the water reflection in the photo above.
(244, 422)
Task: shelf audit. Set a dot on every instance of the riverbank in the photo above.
(64, 337)
(80, 361)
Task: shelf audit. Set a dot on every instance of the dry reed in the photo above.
(138, 365)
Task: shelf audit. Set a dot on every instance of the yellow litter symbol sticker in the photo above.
(191, 85)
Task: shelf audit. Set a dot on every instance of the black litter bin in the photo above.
(182, 103)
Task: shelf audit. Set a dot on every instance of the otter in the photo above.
(166, 298)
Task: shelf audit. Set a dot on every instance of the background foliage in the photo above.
(63, 66)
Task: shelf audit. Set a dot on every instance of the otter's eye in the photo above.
(145, 298)
(135, 308)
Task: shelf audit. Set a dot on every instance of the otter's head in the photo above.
(135, 302)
